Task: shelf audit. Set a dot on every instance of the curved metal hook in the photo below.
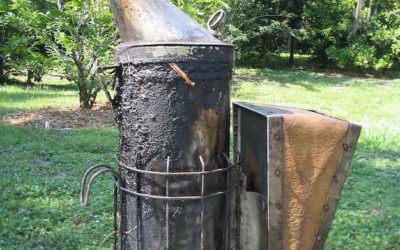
(86, 185)
(216, 20)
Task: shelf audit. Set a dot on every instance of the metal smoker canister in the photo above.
(172, 99)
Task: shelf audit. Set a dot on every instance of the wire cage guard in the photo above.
(92, 173)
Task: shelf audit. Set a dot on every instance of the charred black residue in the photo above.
(161, 116)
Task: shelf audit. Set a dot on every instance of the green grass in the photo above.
(40, 176)
(40, 170)
(53, 94)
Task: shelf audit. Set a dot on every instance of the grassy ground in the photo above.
(53, 94)
(40, 169)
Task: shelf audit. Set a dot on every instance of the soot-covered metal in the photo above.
(168, 125)
(176, 186)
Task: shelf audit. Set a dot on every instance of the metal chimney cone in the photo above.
(150, 21)
(173, 107)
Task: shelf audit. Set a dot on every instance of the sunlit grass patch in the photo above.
(56, 94)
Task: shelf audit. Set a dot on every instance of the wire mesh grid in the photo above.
(119, 191)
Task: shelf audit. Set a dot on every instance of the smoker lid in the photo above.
(157, 21)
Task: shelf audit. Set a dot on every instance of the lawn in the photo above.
(40, 170)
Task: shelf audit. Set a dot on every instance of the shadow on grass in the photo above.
(66, 86)
(62, 87)
(304, 62)
(13, 81)
(28, 95)
(306, 79)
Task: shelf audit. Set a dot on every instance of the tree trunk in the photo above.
(296, 8)
(85, 99)
(87, 95)
(357, 25)
(2, 64)
(291, 50)
(264, 51)
(29, 77)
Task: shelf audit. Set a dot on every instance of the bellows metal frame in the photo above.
(98, 170)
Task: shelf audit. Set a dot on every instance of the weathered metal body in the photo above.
(161, 117)
(173, 107)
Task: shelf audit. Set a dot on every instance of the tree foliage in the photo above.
(376, 44)
(21, 46)
(79, 37)
(260, 28)
(201, 10)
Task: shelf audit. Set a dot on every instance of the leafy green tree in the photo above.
(354, 33)
(21, 50)
(80, 36)
(259, 29)
(295, 10)
(326, 26)
(374, 38)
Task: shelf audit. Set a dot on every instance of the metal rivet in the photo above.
(264, 206)
(319, 237)
(278, 206)
(346, 147)
(326, 208)
(277, 137)
(277, 173)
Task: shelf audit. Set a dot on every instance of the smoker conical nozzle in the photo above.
(157, 21)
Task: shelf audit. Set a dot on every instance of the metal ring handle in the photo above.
(216, 20)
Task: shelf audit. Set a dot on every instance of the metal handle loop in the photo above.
(216, 20)
(86, 184)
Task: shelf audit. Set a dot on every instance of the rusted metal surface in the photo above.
(253, 221)
(275, 164)
(236, 196)
(175, 53)
(176, 185)
(162, 117)
(250, 129)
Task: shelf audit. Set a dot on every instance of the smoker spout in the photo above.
(157, 21)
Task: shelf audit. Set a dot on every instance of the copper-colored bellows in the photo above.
(295, 163)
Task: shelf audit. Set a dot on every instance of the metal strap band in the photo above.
(175, 198)
(141, 171)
